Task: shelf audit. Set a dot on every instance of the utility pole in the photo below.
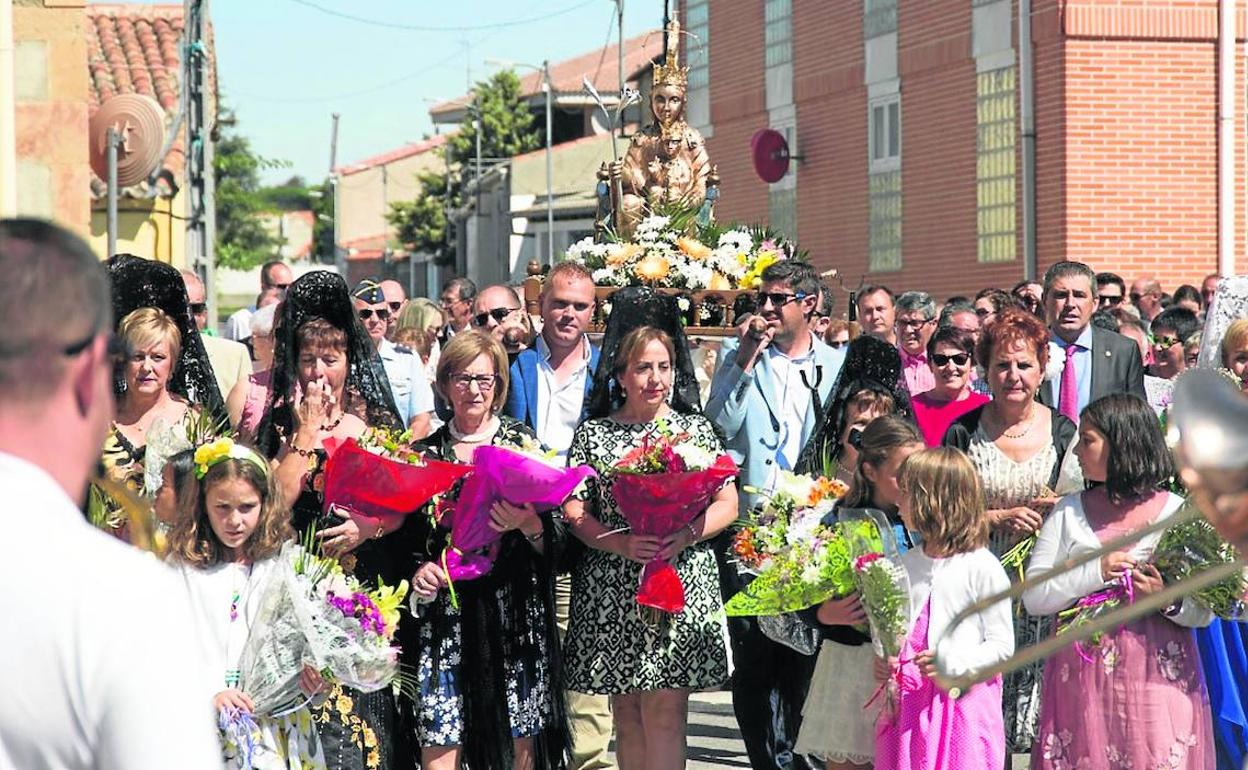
(340, 257)
(550, 167)
(619, 7)
(201, 225)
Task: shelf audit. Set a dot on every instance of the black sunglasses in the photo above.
(1111, 299)
(394, 306)
(498, 314)
(367, 313)
(961, 359)
(198, 308)
(837, 343)
(778, 299)
(116, 348)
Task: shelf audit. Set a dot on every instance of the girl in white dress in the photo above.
(224, 543)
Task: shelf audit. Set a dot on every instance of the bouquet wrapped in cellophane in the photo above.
(661, 486)
(799, 558)
(522, 475)
(311, 613)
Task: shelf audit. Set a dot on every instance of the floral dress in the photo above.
(611, 649)
(488, 669)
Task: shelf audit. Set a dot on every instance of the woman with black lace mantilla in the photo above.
(328, 384)
(488, 663)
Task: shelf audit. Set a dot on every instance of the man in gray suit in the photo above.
(1094, 362)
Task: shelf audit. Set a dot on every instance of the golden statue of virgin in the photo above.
(666, 162)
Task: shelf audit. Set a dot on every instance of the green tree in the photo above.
(508, 128)
(242, 240)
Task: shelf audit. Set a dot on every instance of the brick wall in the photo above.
(1125, 114)
(832, 207)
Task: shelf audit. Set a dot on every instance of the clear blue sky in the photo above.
(285, 67)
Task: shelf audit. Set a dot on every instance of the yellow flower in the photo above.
(210, 454)
(388, 600)
(653, 268)
(743, 259)
(616, 257)
(765, 259)
(693, 248)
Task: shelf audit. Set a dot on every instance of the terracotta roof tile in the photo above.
(135, 49)
(390, 156)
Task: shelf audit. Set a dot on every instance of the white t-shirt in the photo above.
(93, 657)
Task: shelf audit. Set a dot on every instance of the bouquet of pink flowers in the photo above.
(523, 475)
(661, 486)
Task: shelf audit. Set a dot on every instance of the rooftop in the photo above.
(390, 156)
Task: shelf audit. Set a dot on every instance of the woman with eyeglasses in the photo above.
(951, 356)
(487, 663)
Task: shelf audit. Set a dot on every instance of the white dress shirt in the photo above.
(1083, 367)
(559, 405)
(789, 384)
(94, 655)
(238, 325)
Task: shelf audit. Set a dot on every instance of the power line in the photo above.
(427, 28)
(363, 91)
(603, 56)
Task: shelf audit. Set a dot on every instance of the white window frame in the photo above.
(889, 107)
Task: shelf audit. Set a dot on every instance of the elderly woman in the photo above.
(647, 669)
(490, 695)
(247, 400)
(1019, 446)
(951, 356)
(327, 386)
(146, 407)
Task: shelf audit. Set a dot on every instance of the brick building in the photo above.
(908, 115)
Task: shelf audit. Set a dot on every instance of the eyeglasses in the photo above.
(959, 359)
(198, 308)
(485, 382)
(448, 301)
(1113, 300)
(394, 306)
(778, 299)
(498, 314)
(279, 286)
(1165, 343)
(367, 313)
(914, 323)
(837, 344)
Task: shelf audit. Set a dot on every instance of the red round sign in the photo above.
(771, 154)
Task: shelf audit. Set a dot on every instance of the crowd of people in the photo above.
(971, 423)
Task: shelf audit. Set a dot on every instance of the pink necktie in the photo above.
(1068, 393)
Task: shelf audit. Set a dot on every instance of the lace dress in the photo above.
(610, 649)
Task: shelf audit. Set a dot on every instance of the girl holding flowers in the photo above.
(943, 501)
(224, 543)
(836, 724)
(1135, 697)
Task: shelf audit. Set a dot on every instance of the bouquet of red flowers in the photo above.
(521, 476)
(380, 479)
(661, 486)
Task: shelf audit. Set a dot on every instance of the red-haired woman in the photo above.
(1020, 447)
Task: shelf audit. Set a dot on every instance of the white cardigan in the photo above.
(955, 583)
(1067, 534)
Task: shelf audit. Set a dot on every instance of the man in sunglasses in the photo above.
(408, 382)
(1111, 291)
(275, 276)
(91, 682)
(231, 361)
(767, 396)
(498, 311)
(396, 299)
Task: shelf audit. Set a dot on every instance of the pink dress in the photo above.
(932, 731)
(1139, 703)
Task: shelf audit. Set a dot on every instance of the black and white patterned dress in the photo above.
(610, 649)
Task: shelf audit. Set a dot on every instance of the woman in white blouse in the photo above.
(1136, 697)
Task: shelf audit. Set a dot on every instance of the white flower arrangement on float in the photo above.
(663, 253)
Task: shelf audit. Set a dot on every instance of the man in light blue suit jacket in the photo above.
(768, 396)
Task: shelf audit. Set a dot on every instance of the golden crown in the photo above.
(670, 73)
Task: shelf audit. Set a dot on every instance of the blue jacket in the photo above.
(522, 396)
(744, 407)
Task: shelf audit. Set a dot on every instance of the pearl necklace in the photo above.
(483, 434)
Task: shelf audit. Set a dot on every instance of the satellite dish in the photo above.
(140, 124)
(770, 151)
